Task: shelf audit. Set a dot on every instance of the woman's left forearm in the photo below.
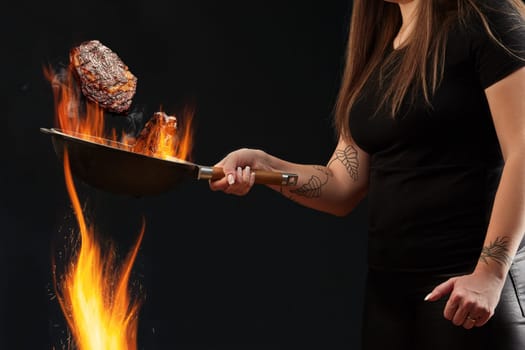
(507, 221)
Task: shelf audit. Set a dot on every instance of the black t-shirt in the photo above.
(434, 171)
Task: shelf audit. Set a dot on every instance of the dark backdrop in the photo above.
(218, 271)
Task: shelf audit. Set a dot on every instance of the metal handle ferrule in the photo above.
(289, 179)
(205, 173)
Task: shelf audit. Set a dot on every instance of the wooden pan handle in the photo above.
(261, 176)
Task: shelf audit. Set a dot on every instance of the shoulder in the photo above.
(491, 36)
(493, 21)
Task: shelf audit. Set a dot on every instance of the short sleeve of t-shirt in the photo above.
(494, 61)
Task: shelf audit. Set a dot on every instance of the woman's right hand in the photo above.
(238, 175)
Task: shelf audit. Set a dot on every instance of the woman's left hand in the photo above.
(473, 298)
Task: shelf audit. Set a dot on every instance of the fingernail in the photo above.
(428, 296)
(231, 179)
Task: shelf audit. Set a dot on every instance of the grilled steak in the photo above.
(103, 77)
(158, 137)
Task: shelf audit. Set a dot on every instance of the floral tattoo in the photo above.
(312, 188)
(348, 157)
(497, 251)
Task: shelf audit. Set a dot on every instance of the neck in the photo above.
(408, 13)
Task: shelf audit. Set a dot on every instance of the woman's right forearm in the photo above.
(335, 188)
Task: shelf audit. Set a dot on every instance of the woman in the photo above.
(430, 120)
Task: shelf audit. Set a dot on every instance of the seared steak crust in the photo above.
(103, 77)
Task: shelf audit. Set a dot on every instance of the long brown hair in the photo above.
(373, 26)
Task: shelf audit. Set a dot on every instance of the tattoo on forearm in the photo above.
(497, 251)
(312, 188)
(348, 157)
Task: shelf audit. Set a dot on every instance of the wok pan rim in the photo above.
(125, 148)
(119, 170)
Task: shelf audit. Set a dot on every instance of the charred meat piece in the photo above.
(158, 137)
(103, 77)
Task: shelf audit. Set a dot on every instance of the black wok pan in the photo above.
(115, 168)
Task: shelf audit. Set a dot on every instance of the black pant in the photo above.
(397, 318)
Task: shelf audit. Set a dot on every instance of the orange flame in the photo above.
(85, 119)
(69, 116)
(93, 292)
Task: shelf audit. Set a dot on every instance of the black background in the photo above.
(217, 271)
